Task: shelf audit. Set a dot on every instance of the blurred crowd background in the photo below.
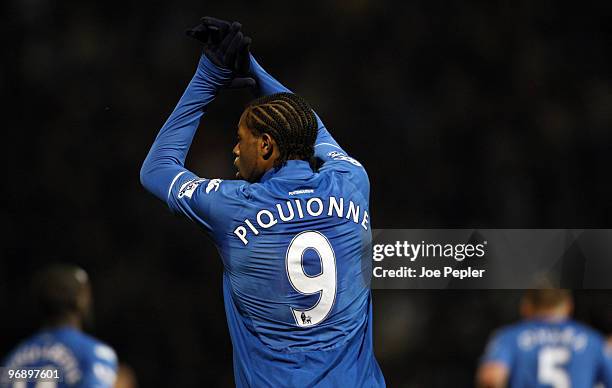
(491, 114)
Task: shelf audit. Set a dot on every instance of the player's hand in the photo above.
(226, 46)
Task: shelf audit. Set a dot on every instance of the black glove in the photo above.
(226, 46)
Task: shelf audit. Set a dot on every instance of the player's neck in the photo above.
(69, 321)
(550, 316)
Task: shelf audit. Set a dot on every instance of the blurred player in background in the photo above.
(62, 295)
(547, 349)
(291, 239)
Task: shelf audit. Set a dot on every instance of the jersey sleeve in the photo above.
(266, 84)
(210, 203)
(101, 368)
(500, 349)
(167, 155)
(334, 158)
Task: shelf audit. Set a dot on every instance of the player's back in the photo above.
(81, 360)
(295, 283)
(545, 354)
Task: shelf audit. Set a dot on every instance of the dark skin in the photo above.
(254, 154)
(77, 317)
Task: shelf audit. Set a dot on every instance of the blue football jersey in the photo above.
(295, 248)
(545, 354)
(81, 360)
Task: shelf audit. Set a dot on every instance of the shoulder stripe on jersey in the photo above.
(172, 183)
(329, 144)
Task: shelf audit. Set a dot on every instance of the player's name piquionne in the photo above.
(300, 208)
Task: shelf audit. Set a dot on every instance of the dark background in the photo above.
(495, 114)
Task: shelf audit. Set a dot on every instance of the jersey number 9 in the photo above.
(323, 284)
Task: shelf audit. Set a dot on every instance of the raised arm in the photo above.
(166, 157)
(216, 68)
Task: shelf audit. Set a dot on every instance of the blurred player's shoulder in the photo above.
(588, 330)
(568, 325)
(95, 356)
(99, 350)
(77, 354)
(81, 345)
(79, 341)
(507, 331)
(502, 338)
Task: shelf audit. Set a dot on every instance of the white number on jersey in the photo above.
(324, 283)
(551, 363)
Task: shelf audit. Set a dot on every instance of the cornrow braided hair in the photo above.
(289, 120)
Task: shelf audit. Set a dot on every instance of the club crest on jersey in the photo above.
(188, 188)
(335, 155)
(213, 185)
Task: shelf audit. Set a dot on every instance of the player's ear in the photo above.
(84, 299)
(267, 145)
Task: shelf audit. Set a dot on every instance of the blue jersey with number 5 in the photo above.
(81, 361)
(296, 281)
(543, 354)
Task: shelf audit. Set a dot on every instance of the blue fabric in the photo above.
(281, 335)
(82, 361)
(540, 354)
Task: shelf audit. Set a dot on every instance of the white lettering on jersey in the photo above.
(298, 204)
(335, 155)
(241, 232)
(56, 353)
(105, 353)
(104, 373)
(365, 220)
(339, 207)
(213, 184)
(304, 191)
(315, 207)
(529, 339)
(271, 220)
(319, 206)
(354, 210)
(281, 214)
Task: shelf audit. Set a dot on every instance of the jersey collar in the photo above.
(293, 169)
